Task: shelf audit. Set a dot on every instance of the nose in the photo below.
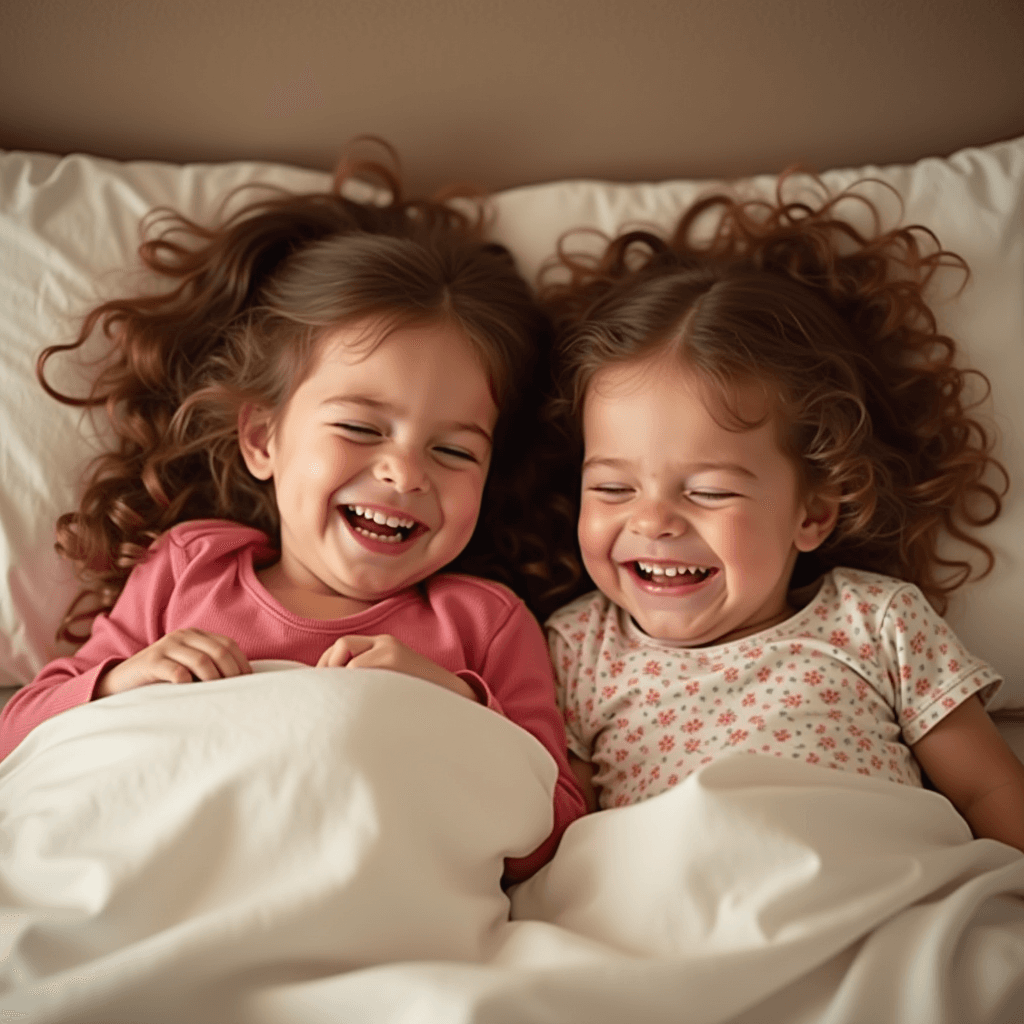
(402, 469)
(656, 519)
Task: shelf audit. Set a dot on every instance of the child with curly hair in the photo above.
(774, 439)
(304, 422)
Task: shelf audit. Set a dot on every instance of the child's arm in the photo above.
(70, 681)
(118, 654)
(971, 764)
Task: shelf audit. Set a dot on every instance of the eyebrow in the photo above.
(387, 407)
(697, 467)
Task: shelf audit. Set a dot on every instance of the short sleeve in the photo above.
(931, 671)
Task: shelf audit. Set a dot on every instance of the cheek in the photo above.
(595, 533)
(752, 541)
(332, 463)
(748, 541)
(463, 499)
(734, 536)
(313, 459)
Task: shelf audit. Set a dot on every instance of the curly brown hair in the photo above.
(834, 325)
(244, 304)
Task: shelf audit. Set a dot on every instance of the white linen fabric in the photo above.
(69, 227)
(184, 836)
(309, 845)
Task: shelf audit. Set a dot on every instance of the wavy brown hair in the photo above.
(835, 327)
(244, 305)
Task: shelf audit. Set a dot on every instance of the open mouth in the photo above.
(379, 526)
(672, 575)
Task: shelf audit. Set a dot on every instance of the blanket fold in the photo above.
(307, 816)
(310, 845)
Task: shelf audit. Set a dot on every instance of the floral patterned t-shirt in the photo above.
(851, 681)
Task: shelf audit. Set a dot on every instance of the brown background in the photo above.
(507, 93)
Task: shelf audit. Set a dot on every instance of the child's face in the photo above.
(667, 489)
(402, 434)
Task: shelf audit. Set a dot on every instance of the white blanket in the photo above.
(306, 846)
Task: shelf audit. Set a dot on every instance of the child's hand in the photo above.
(385, 651)
(178, 657)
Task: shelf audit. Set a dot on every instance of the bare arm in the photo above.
(970, 763)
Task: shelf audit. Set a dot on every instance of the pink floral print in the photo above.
(850, 682)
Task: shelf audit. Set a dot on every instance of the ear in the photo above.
(820, 514)
(254, 440)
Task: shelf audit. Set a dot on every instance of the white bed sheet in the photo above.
(325, 845)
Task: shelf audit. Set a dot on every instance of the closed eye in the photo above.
(358, 428)
(612, 490)
(713, 495)
(456, 453)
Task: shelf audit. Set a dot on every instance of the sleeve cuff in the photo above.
(481, 689)
(979, 683)
(94, 674)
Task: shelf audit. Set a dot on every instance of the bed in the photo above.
(249, 849)
(264, 850)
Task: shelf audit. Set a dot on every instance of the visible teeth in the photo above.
(670, 570)
(379, 536)
(385, 520)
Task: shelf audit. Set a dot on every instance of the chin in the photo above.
(655, 627)
(665, 628)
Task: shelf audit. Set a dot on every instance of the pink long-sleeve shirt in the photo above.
(201, 575)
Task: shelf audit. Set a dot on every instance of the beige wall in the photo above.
(512, 92)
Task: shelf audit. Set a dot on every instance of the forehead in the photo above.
(406, 356)
(667, 379)
(432, 369)
(663, 409)
(359, 342)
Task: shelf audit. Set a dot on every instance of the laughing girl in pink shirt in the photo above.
(304, 426)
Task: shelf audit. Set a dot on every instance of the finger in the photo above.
(368, 659)
(384, 651)
(335, 656)
(236, 652)
(357, 645)
(169, 670)
(338, 659)
(226, 654)
(195, 659)
(230, 659)
(219, 656)
(377, 656)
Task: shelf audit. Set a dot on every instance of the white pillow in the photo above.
(67, 226)
(68, 233)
